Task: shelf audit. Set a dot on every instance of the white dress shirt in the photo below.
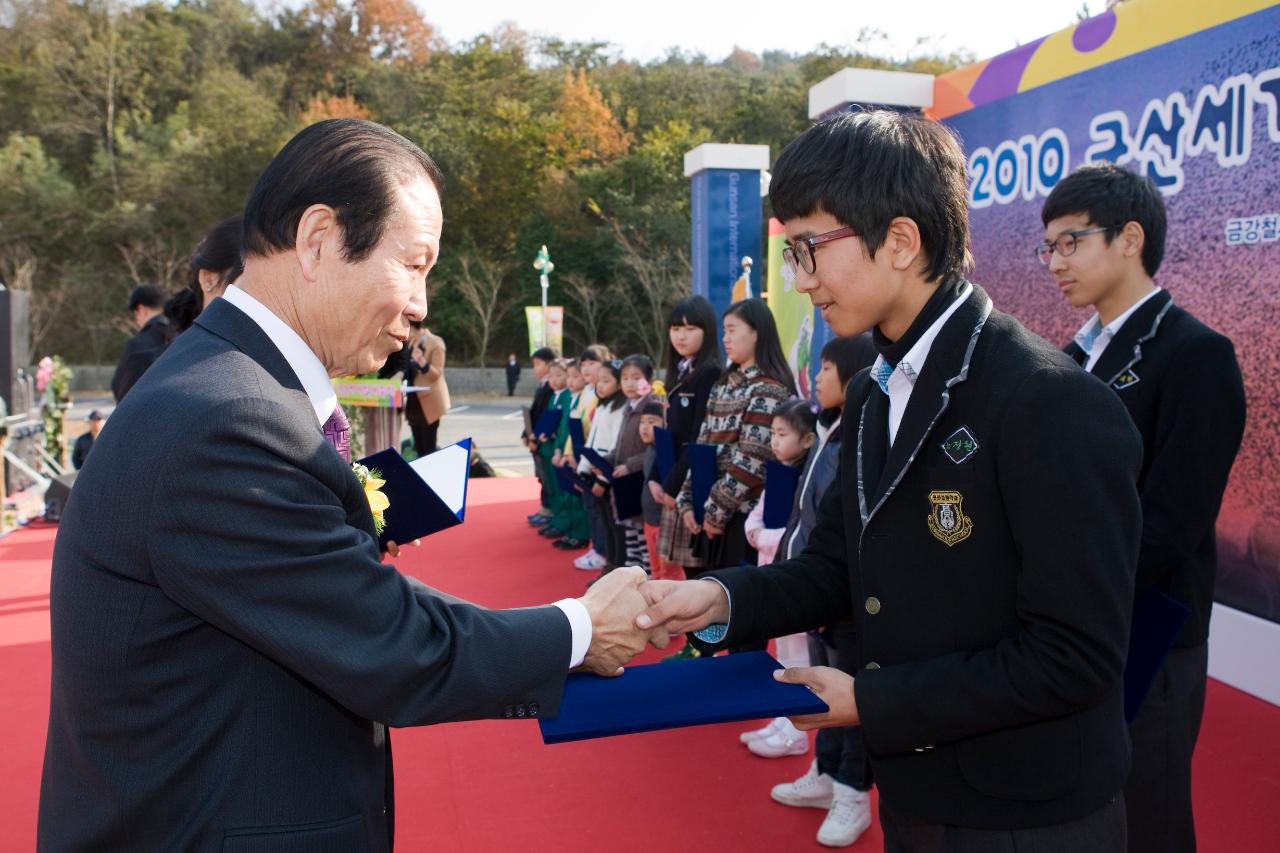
(314, 377)
(1093, 337)
(903, 379)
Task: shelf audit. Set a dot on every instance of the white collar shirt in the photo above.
(304, 363)
(903, 378)
(1094, 337)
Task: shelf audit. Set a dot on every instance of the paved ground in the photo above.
(493, 423)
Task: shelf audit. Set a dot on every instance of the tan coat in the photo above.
(428, 354)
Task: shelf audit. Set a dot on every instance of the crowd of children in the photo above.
(744, 405)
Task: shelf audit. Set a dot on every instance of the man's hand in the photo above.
(690, 522)
(614, 602)
(682, 606)
(833, 687)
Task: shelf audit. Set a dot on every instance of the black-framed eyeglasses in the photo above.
(1065, 243)
(799, 255)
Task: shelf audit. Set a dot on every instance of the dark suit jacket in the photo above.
(989, 574)
(687, 406)
(228, 649)
(1181, 384)
(140, 353)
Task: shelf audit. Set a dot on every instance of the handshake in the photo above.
(628, 612)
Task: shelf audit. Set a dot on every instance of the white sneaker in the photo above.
(785, 740)
(590, 562)
(849, 817)
(812, 790)
(757, 734)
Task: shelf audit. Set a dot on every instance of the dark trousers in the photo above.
(1100, 832)
(597, 522)
(842, 754)
(1158, 793)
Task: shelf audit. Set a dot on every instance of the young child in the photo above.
(605, 423)
(558, 381)
(541, 360)
(628, 457)
(570, 518)
(838, 778)
(652, 416)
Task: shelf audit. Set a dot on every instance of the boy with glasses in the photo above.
(1104, 240)
(982, 533)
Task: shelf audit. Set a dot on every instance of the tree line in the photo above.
(128, 129)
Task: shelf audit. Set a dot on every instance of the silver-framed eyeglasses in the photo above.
(800, 253)
(1065, 243)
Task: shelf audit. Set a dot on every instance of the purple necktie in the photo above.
(338, 432)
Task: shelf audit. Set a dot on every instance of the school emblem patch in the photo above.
(1124, 380)
(960, 445)
(947, 521)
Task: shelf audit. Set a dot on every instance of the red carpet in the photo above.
(492, 786)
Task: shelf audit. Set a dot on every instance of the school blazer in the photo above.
(1181, 384)
(988, 572)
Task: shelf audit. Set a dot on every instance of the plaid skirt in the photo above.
(675, 542)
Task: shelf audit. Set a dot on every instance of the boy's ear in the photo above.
(809, 440)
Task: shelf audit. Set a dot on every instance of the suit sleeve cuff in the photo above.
(580, 623)
(716, 633)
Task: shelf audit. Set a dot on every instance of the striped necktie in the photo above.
(881, 375)
(337, 430)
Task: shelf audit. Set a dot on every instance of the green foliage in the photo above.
(129, 128)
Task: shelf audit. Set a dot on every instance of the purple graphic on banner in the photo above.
(1093, 33)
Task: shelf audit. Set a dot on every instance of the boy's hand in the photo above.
(597, 490)
(655, 490)
(620, 471)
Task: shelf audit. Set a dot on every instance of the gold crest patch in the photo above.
(947, 521)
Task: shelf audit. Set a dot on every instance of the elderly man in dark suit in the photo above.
(228, 647)
(983, 533)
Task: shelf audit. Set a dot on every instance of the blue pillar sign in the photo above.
(726, 217)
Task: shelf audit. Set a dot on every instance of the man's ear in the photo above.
(318, 234)
(1132, 238)
(903, 243)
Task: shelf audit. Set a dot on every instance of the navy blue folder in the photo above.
(594, 457)
(664, 441)
(673, 695)
(576, 436)
(568, 479)
(627, 490)
(702, 473)
(548, 423)
(427, 495)
(779, 493)
(1157, 620)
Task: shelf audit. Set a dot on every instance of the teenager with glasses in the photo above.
(981, 533)
(1104, 240)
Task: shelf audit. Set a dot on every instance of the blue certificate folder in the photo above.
(627, 491)
(779, 493)
(673, 695)
(576, 436)
(427, 495)
(599, 461)
(548, 423)
(1157, 621)
(664, 441)
(702, 474)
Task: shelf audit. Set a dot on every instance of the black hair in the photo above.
(546, 354)
(218, 252)
(595, 352)
(799, 415)
(150, 295)
(641, 361)
(848, 355)
(756, 314)
(867, 168)
(653, 406)
(351, 165)
(617, 399)
(693, 311)
(1113, 196)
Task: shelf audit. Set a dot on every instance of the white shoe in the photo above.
(785, 740)
(812, 790)
(590, 562)
(849, 817)
(758, 734)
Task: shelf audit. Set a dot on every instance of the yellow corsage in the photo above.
(371, 480)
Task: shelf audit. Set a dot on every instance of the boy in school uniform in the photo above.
(983, 533)
(1104, 240)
